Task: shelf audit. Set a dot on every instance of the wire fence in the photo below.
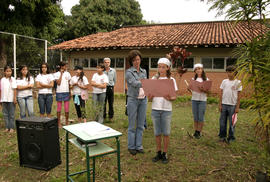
(17, 50)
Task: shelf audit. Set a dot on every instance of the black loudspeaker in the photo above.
(38, 142)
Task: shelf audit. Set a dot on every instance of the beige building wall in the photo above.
(197, 53)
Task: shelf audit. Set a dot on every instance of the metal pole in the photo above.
(14, 55)
(46, 51)
(124, 75)
(61, 56)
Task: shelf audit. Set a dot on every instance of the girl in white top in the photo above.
(199, 101)
(44, 82)
(79, 84)
(162, 112)
(25, 83)
(99, 83)
(62, 78)
(8, 98)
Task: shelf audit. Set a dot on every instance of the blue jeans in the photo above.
(226, 113)
(136, 109)
(198, 110)
(45, 103)
(98, 106)
(162, 122)
(26, 105)
(8, 109)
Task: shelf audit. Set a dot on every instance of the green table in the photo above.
(87, 133)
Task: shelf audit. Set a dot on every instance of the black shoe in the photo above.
(141, 151)
(157, 157)
(197, 135)
(230, 139)
(222, 139)
(165, 159)
(132, 151)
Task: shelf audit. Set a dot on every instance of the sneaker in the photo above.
(165, 159)
(140, 151)
(157, 157)
(198, 136)
(230, 139)
(132, 151)
(222, 139)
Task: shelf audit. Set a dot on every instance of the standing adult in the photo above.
(136, 103)
(111, 73)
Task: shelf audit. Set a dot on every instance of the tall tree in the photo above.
(92, 16)
(40, 18)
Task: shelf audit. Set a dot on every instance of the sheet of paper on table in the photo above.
(158, 88)
(93, 128)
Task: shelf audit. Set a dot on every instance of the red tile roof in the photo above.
(163, 35)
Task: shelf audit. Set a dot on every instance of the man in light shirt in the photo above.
(111, 73)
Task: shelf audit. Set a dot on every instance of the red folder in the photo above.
(158, 88)
(234, 119)
(197, 86)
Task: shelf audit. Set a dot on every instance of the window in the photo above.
(154, 62)
(76, 62)
(93, 63)
(85, 63)
(231, 61)
(189, 62)
(207, 63)
(100, 60)
(112, 62)
(119, 62)
(213, 63)
(218, 63)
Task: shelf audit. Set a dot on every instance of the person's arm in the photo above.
(170, 98)
(83, 85)
(150, 97)
(15, 96)
(132, 81)
(42, 85)
(238, 103)
(98, 85)
(115, 77)
(220, 100)
(58, 81)
(20, 87)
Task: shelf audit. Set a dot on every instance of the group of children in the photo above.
(162, 107)
(13, 91)
(20, 90)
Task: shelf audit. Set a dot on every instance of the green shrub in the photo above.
(212, 100)
(244, 103)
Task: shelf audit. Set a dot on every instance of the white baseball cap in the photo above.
(198, 65)
(164, 61)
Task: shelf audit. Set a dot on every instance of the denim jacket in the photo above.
(133, 78)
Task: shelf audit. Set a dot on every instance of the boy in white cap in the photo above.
(199, 101)
(162, 112)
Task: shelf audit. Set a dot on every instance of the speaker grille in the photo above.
(38, 142)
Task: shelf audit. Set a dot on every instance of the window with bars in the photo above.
(219, 63)
(93, 62)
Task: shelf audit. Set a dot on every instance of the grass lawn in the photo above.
(205, 159)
